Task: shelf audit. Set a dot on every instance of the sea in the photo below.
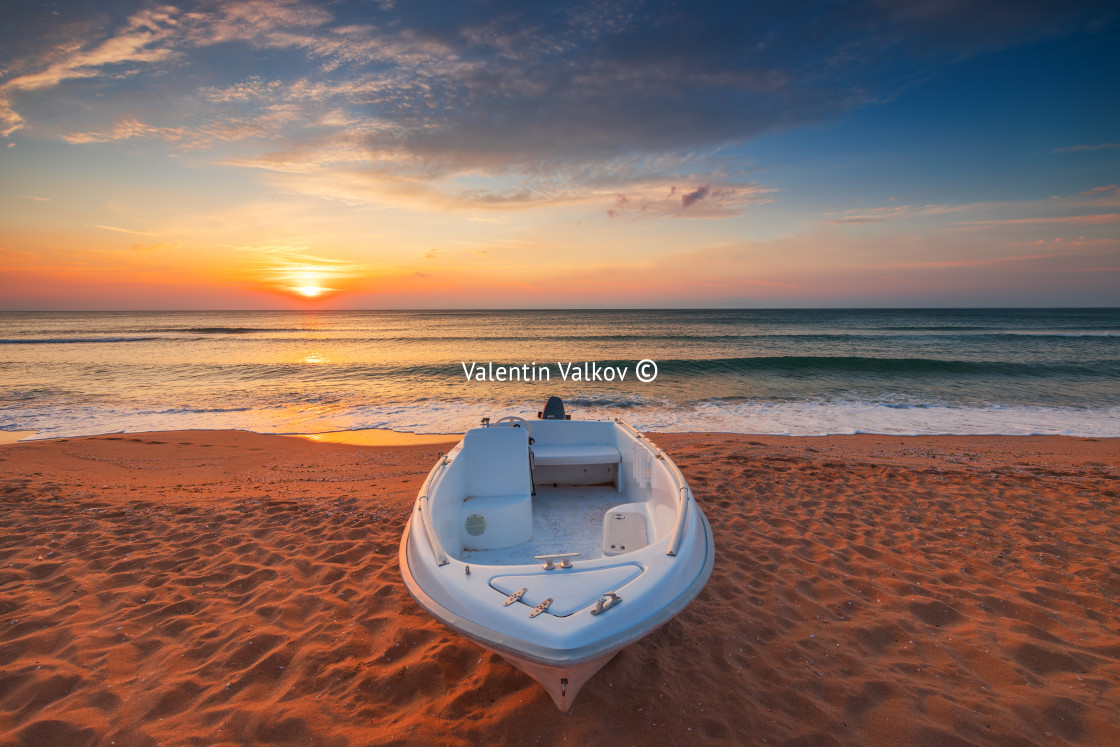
(795, 372)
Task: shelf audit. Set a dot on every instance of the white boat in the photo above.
(555, 544)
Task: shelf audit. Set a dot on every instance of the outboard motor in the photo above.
(553, 410)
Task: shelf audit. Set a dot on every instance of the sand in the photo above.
(217, 587)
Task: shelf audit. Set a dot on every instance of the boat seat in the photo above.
(569, 454)
(625, 528)
(498, 509)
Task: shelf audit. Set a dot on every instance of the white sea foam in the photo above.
(819, 419)
(776, 418)
(794, 419)
(1062, 333)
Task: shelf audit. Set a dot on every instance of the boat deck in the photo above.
(566, 519)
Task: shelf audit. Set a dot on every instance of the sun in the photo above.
(309, 284)
(305, 281)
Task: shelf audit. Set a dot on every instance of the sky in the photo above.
(490, 154)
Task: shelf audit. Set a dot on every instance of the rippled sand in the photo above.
(206, 587)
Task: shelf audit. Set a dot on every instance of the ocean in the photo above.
(796, 372)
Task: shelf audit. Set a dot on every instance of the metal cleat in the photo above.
(609, 599)
(550, 561)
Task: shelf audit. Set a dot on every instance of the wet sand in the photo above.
(210, 587)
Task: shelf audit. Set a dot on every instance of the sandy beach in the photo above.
(218, 587)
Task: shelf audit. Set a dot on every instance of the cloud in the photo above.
(252, 88)
(994, 213)
(651, 197)
(506, 106)
(689, 199)
(125, 130)
(138, 42)
(265, 123)
(264, 23)
(121, 230)
(644, 195)
(1082, 148)
(1087, 220)
(880, 214)
(982, 262)
(854, 220)
(36, 198)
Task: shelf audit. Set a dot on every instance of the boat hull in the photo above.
(561, 677)
(562, 680)
(477, 552)
(562, 683)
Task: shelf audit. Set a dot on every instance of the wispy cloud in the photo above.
(854, 220)
(1086, 220)
(138, 42)
(870, 215)
(265, 125)
(252, 88)
(122, 230)
(975, 262)
(125, 130)
(1081, 148)
(1052, 210)
(36, 198)
(890, 212)
(650, 199)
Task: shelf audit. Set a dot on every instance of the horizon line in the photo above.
(563, 308)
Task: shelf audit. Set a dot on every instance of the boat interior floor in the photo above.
(568, 518)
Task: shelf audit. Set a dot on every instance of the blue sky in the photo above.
(380, 154)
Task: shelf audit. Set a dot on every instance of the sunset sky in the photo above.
(508, 154)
